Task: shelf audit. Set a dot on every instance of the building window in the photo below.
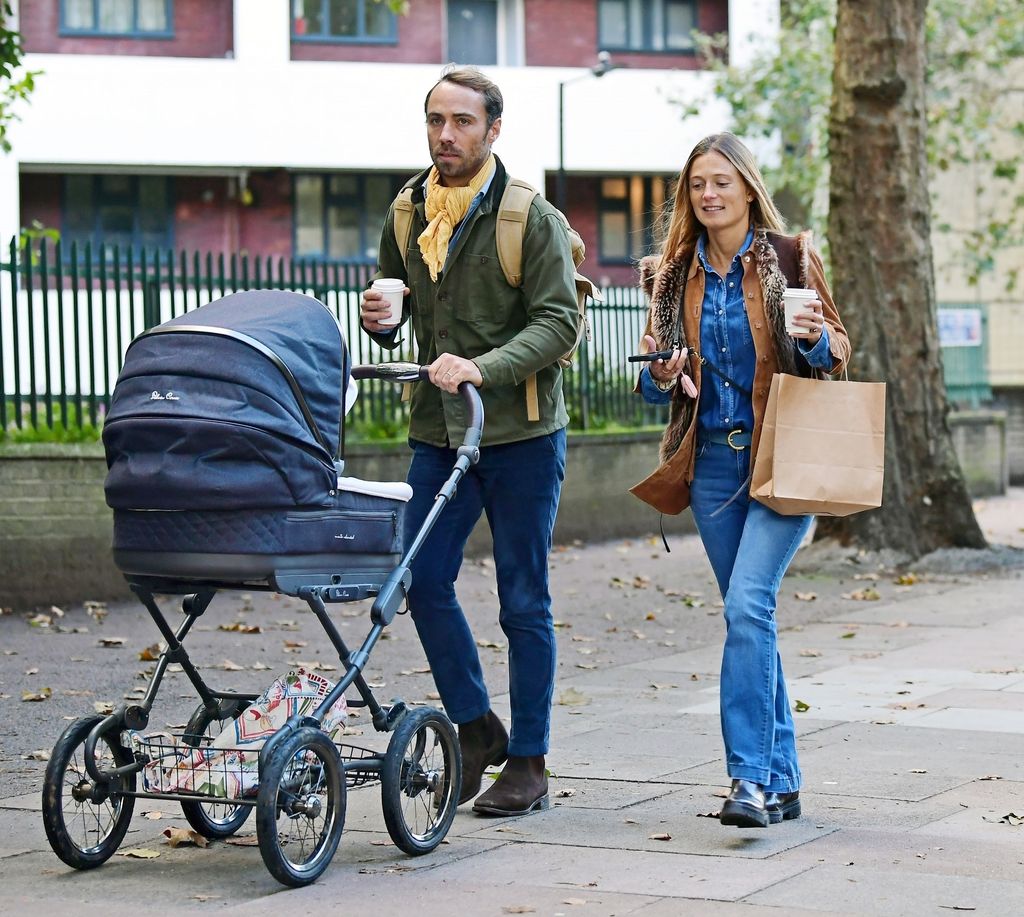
(629, 217)
(340, 217)
(473, 32)
(130, 211)
(647, 25)
(132, 18)
(343, 20)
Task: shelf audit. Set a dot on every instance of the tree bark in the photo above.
(879, 236)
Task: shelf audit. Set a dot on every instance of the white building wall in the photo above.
(261, 109)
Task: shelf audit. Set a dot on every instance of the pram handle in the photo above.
(413, 372)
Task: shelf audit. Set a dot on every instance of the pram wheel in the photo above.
(420, 781)
(85, 822)
(300, 807)
(215, 820)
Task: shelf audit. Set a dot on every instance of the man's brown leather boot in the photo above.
(521, 787)
(484, 743)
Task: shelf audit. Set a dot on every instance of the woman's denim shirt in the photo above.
(725, 341)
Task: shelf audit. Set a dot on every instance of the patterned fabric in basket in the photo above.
(228, 766)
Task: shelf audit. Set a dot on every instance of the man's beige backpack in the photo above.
(513, 212)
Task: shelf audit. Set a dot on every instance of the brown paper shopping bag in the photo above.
(822, 447)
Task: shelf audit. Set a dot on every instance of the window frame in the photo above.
(321, 38)
(66, 31)
(647, 28)
(98, 199)
(369, 233)
(624, 205)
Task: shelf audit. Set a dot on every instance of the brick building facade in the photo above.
(222, 79)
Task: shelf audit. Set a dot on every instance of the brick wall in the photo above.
(202, 28)
(420, 41)
(563, 33)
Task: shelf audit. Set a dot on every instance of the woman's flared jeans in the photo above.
(517, 486)
(750, 547)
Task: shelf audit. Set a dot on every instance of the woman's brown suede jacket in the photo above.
(767, 264)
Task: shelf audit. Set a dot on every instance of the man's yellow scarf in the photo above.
(446, 207)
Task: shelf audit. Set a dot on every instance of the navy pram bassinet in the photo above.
(223, 445)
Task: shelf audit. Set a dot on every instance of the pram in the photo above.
(224, 445)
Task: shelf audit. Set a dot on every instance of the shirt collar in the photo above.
(702, 242)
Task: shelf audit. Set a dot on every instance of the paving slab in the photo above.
(894, 892)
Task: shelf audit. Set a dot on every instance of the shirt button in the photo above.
(442, 297)
(443, 333)
(721, 311)
(723, 350)
(483, 259)
(726, 384)
(731, 284)
(726, 419)
(746, 258)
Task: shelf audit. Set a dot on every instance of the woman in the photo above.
(716, 288)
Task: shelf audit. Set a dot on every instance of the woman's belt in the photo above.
(735, 439)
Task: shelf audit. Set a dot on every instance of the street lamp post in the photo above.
(603, 66)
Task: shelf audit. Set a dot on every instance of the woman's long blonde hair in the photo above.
(683, 226)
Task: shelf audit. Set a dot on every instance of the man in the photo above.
(472, 326)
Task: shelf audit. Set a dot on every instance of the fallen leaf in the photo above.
(991, 777)
(151, 653)
(570, 697)
(810, 653)
(567, 793)
(869, 594)
(41, 694)
(139, 853)
(490, 644)
(246, 840)
(111, 641)
(906, 579)
(103, 706)
(205, 897)
(574, 901)
(519, 909)
(41, 755)
(228, 666)
(176, 837)
(240, 627)
(32, 671)
(918, 770)
(153, 816)
(663, 836)
(801, 707)
(714, 815)
(805, 596)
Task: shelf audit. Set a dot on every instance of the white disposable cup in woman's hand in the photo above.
(794, 301)
(393, 291)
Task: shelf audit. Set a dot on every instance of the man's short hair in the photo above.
(472, 78)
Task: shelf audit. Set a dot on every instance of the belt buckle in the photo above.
(731, 444)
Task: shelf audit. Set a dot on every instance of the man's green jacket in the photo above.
(472, 312)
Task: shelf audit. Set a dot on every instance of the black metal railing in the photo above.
(68, 314)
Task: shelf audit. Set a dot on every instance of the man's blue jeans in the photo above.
(750, 547)
(517, 485)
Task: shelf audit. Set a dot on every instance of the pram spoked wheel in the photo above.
(85, 820)
(420, 781)
(300, 807)
(215, 820)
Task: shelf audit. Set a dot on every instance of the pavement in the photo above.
(908, 684)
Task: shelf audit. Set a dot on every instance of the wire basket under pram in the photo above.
(224, 445)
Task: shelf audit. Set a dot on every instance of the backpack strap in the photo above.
(404, 209)
(513, 212)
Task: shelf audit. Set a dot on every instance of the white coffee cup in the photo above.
(794, 301)
(394, 292)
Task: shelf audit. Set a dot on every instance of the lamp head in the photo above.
(604, 64)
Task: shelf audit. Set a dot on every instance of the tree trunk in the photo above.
(879, 237)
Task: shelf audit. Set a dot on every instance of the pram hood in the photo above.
(239, 403)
